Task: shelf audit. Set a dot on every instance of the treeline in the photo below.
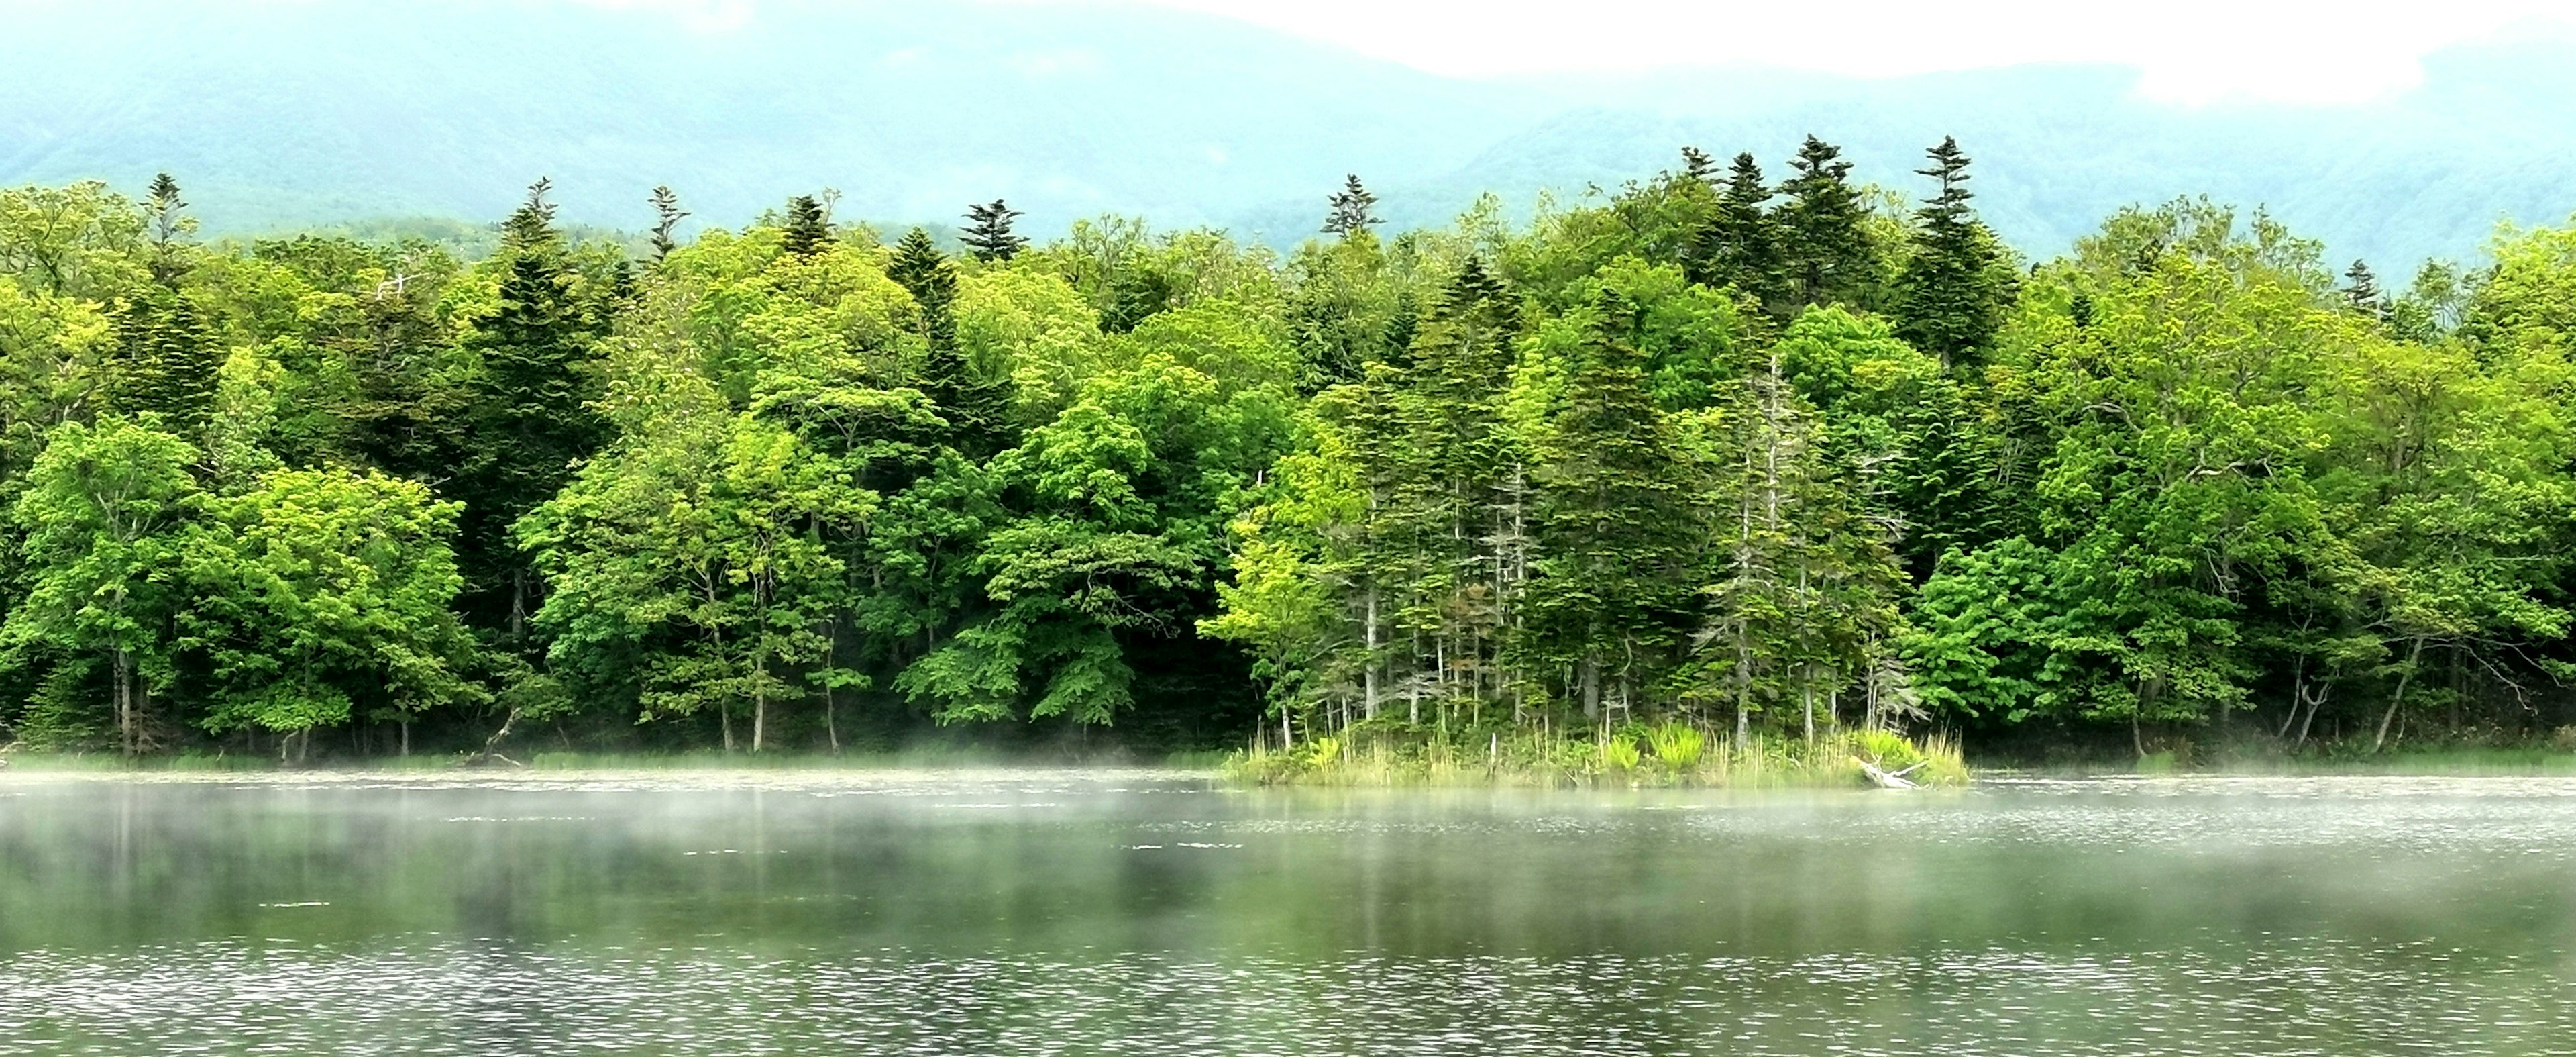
(1769, 457)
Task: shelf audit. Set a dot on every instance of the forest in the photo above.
(1749, 456)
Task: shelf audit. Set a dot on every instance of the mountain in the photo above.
(279, 113)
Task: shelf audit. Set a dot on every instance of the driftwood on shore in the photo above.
(1886, 779)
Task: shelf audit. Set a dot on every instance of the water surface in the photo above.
(1144, 913)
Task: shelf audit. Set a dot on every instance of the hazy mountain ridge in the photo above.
(278, 114)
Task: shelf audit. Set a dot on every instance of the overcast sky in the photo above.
(2191, 51)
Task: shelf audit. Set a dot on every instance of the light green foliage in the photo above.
(103, 519)
(1700, 453)
(318, 592)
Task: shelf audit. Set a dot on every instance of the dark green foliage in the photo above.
(1828, 256)
(1353, 209)
(1460, 483)
(1743, 245)
(530, 420)
(667, 215)
(1957, 284)
(808, 230)
(932, 281)
(167, 361)
(988, 232)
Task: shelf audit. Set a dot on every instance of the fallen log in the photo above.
(1886, 779)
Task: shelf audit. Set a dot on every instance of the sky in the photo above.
(2191, 51)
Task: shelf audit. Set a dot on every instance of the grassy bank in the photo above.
(1671, 754)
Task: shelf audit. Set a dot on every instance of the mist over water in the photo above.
(1137, 913)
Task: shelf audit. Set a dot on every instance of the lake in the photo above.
(1145, 913)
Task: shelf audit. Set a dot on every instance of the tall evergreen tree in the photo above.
(170, 228)
(988, 232)
(532, 418)
(1697, 165)
(1828, 254)
(808, 230)
(168, 361)
(1615, 529)
(667, 215)
(918, 265)
(2361, 291)
(1742, 244)
(1956, 286)
(1353, 209)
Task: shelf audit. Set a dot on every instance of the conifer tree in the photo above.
(169, 362)
(667, 215)
(1615, 525)
(1354, 209)
(1828, 253)
(808, 231)
(988, 232)
(1742, 245)
(170, 227)
(532, 416)
(1956, 286)
(2361, 291)
(925, 272)
(1697, 165)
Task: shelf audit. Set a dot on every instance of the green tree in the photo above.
(1825, 244)
(317, 591)
(1957, 284)
(1353, 209)
(104, 515)
(988, 232)
(808, 229)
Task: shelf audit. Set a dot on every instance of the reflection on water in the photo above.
(1126, 913)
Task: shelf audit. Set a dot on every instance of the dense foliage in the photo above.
(1758, 457)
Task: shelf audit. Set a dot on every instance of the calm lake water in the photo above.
(1134, 913)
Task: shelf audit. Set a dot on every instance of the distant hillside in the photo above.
(326, 111)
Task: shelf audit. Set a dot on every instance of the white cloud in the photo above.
(2189, 50)
(703, 16)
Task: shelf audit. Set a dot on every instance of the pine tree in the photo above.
(168, 362)
(667, 215)
(1828, 253)
(1354, 209)
(1697, 165)
(977, 410)
(2361, 291)
(1742, 244)
(1956, 287)
(532, 415)
(920, 268)
(988, 232)
(808, 231)
(170, 227)
(1615, 527)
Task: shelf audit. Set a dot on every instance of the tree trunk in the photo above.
(1591, 677)
(2397, 699)
(406, 735)
(1368, 667)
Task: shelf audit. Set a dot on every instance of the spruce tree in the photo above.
(667, 215)
(2361, 291)
(170, 226)
(531, 405)
(1742, 244)
(1828, 253)
(1697, 165)
(808, 232)
(1354, 209)
(977, 410)
(922, 269)
(1616, 533)
(988, 232)
(1956, 287)
(168, 362)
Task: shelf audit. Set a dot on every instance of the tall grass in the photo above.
(1670, 754)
